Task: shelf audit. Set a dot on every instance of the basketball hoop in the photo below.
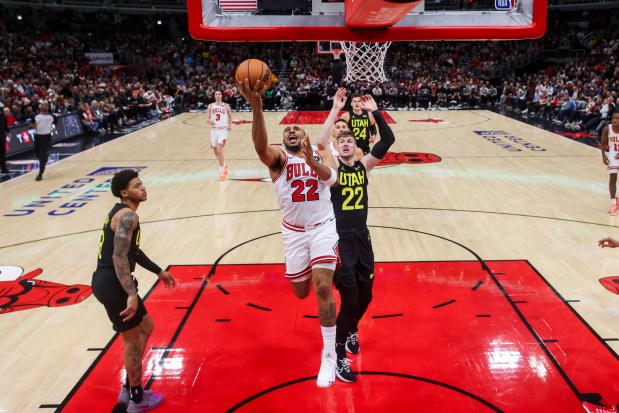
(365, 61)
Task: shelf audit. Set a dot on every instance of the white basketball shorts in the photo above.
(308, 248)
(218, 137)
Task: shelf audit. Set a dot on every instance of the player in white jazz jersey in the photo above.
(302, 183)
(220, 118)
(610, 137)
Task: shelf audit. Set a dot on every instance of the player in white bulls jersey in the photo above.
(308, 227)
(610, 138)
(220, 118)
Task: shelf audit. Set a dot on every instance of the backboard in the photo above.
(367, 20)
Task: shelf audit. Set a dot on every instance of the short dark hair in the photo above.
(355, 95)
(340, 120)
(121, 180)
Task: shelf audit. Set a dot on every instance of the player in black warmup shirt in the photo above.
(115, 287)
(355, 278)
(362, 123)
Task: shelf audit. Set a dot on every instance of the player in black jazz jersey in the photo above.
(115, 287)
(355, 278)
(362, 123)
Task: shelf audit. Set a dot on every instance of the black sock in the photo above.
(137, 394)
(340, 350)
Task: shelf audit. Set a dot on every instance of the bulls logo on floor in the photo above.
(411, 158)
(19, 291)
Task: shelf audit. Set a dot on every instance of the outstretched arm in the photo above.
(387, 138)
(143, 261)
(339, 100)
(269, 156)
(325, 173)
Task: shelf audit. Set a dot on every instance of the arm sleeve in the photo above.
(145, 262)
(373, 129)
(387, 138)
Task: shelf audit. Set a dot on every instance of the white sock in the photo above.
(613, 201)
(328, 339)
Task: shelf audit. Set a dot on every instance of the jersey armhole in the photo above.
(283, 167)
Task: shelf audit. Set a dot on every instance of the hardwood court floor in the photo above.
(494, 197)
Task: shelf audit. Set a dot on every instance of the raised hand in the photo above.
(339, 100)
(368, 103)
(254, 97)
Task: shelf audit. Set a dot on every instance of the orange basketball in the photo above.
(253, 70)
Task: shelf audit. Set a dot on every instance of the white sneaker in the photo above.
(326, 375)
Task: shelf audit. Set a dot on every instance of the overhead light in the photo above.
(19, 17)
(159, 22)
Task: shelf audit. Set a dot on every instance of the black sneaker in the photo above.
(38, 178)
(343, 371)
(352, 343)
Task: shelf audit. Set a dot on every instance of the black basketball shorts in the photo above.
(107, 289)
(355, 248)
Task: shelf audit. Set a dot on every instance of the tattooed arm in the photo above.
(127, 223)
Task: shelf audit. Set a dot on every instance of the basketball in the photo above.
(253, 70)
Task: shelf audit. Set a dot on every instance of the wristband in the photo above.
(332, 179)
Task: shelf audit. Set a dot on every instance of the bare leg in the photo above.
(146, 328)
(302, 289)
(323, 282)
(134, 341)
(133, 359)
(219, 153)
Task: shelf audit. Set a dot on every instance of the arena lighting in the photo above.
(19, 17)
(159, 22)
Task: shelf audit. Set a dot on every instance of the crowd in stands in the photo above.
(175, 73)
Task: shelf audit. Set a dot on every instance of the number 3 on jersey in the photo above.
(300, 195)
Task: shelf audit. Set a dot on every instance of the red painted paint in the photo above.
(411, 158)
(439, 336)
(316, 118)
(611, 284)
(428, 120)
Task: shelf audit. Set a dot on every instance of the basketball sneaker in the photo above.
(343, 371)
(326, 375)
(613, 210)
(594, 408)
(352, 343)
(150, 401)
(124, 397)
(224, 173)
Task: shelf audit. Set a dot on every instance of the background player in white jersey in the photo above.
(308, 225)
(220, 118)
(610, 137)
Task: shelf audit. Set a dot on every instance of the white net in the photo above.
(365, 61)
